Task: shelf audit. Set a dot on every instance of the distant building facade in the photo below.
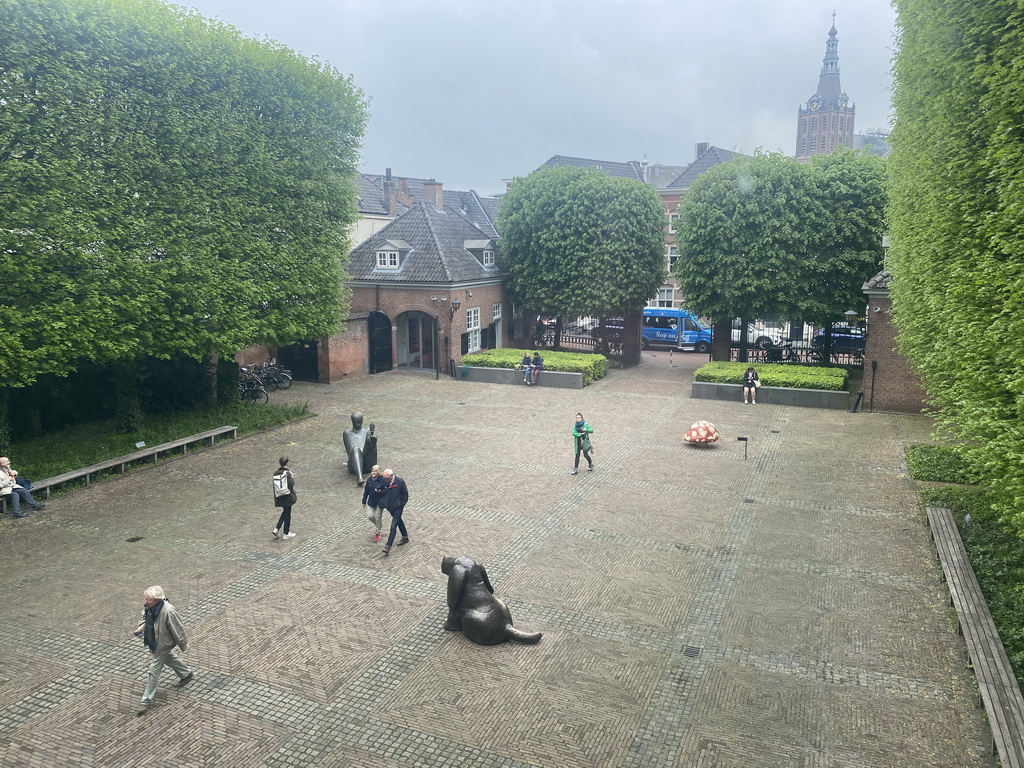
(826, 121)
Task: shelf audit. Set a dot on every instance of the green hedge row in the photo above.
(787, 375)
(942, 463)
(591, 366)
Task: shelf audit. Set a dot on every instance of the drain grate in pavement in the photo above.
(133, 539)
(691, 651)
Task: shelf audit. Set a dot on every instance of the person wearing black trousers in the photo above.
(396, 496)
(581, 439)
(284, 522)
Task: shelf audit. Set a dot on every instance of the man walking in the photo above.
(13, 492)
(161, 630)
(395, 497)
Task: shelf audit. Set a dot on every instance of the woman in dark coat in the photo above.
(284, 522)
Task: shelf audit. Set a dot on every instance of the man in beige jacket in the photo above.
(161, 630)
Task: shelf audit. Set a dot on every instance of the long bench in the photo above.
(998, 691)
(121, 462)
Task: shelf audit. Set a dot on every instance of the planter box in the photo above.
(509, 376)
(804, 398)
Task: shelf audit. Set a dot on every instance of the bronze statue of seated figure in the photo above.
(361, 448)
(472, 607)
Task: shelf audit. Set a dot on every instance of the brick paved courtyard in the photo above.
(698, 608)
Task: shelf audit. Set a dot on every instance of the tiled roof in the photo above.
(629, 170)
(879, 282)
(708, 159)
(438, 251)
(481, 211)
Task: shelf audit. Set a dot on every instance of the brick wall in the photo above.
(347, 354)
(896, 386)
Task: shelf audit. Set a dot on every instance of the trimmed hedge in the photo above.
(942, 463)
(773, 375)
(591, 366)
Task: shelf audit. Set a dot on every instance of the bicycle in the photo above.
(251, 389)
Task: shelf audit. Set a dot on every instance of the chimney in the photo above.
(700, 149)
(390, 195)
(433, 193)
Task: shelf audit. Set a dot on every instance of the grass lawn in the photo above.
(85, 444)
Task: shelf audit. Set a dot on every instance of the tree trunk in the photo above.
(126, 396)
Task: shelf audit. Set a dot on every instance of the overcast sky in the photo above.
(470, 92)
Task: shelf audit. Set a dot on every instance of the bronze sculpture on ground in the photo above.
(361, 447)
(472, 607)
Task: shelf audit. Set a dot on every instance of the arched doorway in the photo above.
(379, 334)
(417, 340)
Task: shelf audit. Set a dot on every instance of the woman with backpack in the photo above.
(284, 497)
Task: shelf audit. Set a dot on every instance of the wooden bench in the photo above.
(998, 691)
(122, 461)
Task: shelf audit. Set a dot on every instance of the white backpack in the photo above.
(281, 484)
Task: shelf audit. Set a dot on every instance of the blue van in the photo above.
(665, 326)
(675, 327)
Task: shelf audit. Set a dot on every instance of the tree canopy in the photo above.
(578, 242)
(769, 237)
(957, 201)
(167, 186)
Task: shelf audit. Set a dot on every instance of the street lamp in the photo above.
(453, 309)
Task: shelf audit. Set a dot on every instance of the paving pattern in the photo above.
(699, 608)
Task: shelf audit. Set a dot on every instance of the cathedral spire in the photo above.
(827, 120)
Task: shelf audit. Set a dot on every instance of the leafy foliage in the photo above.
(770, 237)
(941, 463)
(167, 186)
(771, 375)
(957, 200)
(591, 366)
(578, 242)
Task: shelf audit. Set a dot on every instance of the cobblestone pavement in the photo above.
(699, 608)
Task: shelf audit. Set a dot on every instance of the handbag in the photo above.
(586, 444)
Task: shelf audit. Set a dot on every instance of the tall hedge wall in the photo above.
(956, 208)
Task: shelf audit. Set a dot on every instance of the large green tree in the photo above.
(167, 186)
(957, 202)
(578, 242)
(769, 237)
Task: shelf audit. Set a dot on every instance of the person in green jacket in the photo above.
(581, 439)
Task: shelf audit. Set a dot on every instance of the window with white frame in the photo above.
(665, 297)
(488, 259)
(672, 219)
(473, 327)
(673, 256)
(496, 311)
(387, 259)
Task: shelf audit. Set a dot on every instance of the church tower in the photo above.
(827, 120)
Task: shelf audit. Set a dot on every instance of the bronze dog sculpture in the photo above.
(474, 610)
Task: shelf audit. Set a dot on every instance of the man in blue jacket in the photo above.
(395, 496)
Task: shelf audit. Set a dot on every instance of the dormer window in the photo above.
(483, 251)
(391, 254)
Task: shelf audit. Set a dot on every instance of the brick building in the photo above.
(890, 383)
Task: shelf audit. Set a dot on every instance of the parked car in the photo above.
(846, 339)
(758, 335)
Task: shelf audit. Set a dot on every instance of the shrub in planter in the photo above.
(591, 366)
(773, 375)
